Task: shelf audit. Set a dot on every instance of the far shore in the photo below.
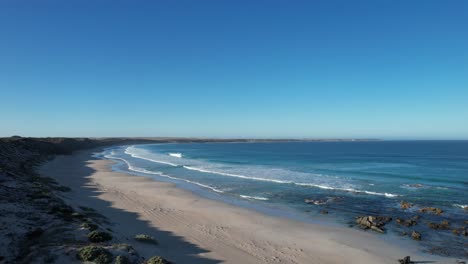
(192, 229)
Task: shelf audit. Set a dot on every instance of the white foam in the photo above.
(462, 206)
(177, 155)
(129, 152)
(141, 170)
(346, 189)
(133, 155)
(254, 197)
(236, 175)
(291, 182)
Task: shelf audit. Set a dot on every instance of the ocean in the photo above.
(308, 179)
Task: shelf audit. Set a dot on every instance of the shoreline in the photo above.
(194, 229)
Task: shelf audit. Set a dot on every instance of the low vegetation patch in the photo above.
(99, 236)
(157, 260)
(95, 254)
(122, 260)
(86, 209)
(89, 226)
(146, 239)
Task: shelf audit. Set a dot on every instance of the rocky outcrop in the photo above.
(444, 225)
(460, 231)
(375, 223)
(405, 205)
(433, 210)
(324, 201)
(406, 222)
(405, 260)
(416, 235)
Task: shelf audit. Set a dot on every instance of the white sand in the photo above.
(191, 229)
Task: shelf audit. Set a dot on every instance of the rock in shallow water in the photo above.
(416, 235)
(375, 223)
(433, 210)
(444, 225)
(407, 222)
(405, 205)
(405, 260)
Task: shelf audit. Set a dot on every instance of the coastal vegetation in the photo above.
(146, 239)
(37, 224)
(98, 255)
(157, 260)
(99, 236)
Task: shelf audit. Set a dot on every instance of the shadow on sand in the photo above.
(171, 246)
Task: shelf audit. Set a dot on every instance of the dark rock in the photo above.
(433, 210)
(416, 235)
(405, 260)
(405, 205)
(444, 225)
(460, 231)
(324, 212)
(407, 222)
(375, 223)
(416, 217)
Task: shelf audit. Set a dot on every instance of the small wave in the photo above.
(141, 170)
(235, 175)
(254, 197)
(177, 155)
(462, 206)
(347, 189)
(133, 155)
(291, 182)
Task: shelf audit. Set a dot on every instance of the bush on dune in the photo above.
(95, 254)
(157, 260)
(146, 239)
(99, 236)
(122, 260)
(89, 226)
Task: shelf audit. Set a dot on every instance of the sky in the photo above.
(251, 69)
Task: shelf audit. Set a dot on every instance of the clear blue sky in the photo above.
(381, 69)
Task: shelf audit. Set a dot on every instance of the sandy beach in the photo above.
(191, 229)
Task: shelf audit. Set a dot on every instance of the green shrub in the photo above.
(86, 209)
(89, 226)
(157, 260)
(122, 260)
(99, 236)
(146, 239)
(95, 254)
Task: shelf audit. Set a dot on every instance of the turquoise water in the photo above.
(345, 178)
